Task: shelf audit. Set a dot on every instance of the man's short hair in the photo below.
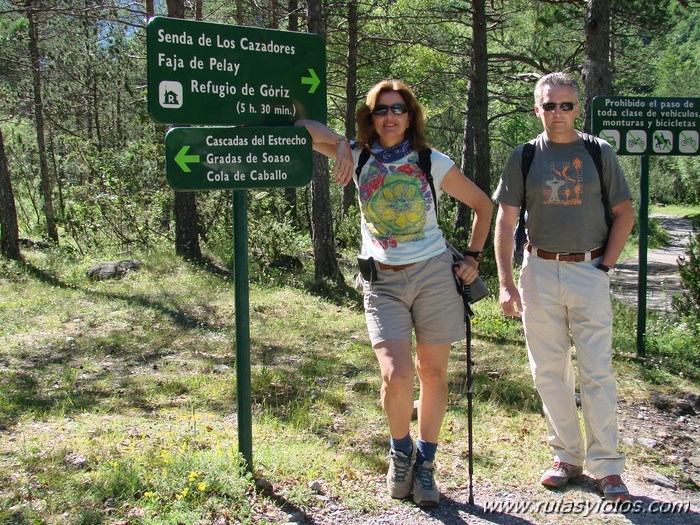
(555, 79)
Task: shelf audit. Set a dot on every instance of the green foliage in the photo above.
(688, 304)
(347, 230)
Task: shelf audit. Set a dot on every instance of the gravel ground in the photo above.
(662, 268)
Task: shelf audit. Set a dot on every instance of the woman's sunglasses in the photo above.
(396, 109)
(551, 106)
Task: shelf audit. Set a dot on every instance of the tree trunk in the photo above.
(46, 185)
(596, 67)
(186, 228)
(475, 154)
(9, 231)
(326, 264)
(290, 194)
(350, 96)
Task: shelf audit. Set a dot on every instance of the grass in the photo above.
(113, 409)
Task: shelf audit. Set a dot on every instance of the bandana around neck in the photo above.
(392, 154)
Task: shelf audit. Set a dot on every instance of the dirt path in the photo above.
(662, 268)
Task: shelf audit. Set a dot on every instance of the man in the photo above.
(564, 285)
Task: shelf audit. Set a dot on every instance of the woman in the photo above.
(414, 285)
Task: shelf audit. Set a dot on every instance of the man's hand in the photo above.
(509, 297)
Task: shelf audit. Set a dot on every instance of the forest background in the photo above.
(116, 398)
(86, 163)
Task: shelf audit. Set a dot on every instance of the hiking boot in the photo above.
(613, 488)
(399, 479)
(425, 491)
(560, 474)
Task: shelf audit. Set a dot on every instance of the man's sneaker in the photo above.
(560, 474)
(613, 488)
(399, 479)
(425, 491)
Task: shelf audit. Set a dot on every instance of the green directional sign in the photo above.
(237, 158)
(217, 74)
(648, 125)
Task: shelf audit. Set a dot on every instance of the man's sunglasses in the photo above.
(564, 106)
(396, 109)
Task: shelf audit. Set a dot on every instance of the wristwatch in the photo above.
(604, 268)
(477, 256)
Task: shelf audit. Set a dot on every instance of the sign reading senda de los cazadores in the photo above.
(648, 125)
(218, 74)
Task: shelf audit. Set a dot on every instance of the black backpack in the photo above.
(528, 156)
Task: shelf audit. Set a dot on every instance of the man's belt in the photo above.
(395, 267)
(566, 257)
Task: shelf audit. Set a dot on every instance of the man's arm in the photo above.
(508, 296)
(623, 222)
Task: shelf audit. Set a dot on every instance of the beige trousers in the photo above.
(564, 301)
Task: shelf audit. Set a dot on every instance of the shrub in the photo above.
(688, 304)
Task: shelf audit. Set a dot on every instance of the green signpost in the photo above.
(237, 158)
(646, 126)
(215, 74)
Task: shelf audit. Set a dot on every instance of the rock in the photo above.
(361, 386)
(220, 369)
(695, 461)
(685, 478)
(661, 480)
(316, 486)
(647, 442)
(694, 400)
(112, 270)
(660, 401)
(263, 485)
(76, 461)
(684, 408)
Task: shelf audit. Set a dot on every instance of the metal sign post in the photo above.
(216, 74)
(647, 126)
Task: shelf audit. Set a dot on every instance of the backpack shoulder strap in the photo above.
(426, 166)
(364, 157)
(527, 158)
(528, 155)
(593, 148)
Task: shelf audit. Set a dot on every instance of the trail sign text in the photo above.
(237, 158)
(217, 74)
(648, 125)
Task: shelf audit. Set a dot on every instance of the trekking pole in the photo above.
(465, 292)
(467, 319)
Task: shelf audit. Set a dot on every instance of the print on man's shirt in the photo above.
(395, 202)
(565, 185)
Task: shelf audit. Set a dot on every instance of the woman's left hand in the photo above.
(467, 271)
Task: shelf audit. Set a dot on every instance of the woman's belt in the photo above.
(395, 267)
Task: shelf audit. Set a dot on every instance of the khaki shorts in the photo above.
(422, 296)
